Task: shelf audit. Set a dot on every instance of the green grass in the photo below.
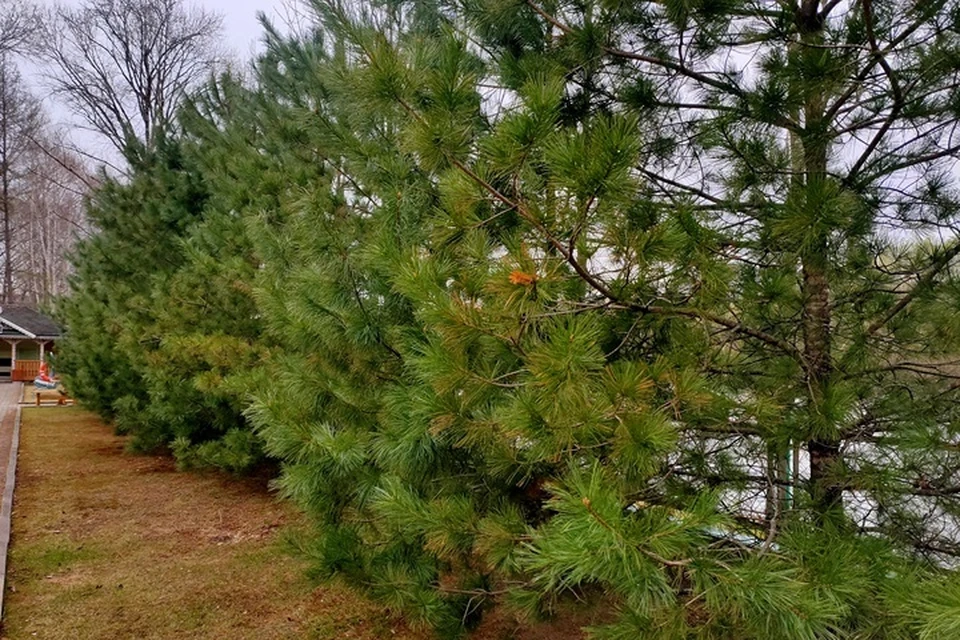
(50, 556)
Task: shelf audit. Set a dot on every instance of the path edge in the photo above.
(6, 508)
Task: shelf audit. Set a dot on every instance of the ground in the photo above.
(107, 544)
(112, 545)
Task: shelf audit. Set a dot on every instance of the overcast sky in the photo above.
(241, 29)
(241, 34)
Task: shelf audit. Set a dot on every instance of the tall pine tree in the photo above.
(163, 331)
(656, 300)
(137, 246)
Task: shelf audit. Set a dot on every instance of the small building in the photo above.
(26, 337)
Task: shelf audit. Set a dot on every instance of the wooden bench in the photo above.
(60, 396)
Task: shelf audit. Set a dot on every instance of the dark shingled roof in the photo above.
(27, 319)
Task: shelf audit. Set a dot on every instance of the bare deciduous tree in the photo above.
(50, 217)
(18, 25)
(124, 65)
(20, 122)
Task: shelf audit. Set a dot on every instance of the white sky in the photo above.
(241, 29)
(241, 38)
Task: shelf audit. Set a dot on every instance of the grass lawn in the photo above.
(113, 545)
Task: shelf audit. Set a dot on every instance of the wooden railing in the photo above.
(25, 370)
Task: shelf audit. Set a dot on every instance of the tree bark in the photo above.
(823, 442)
(5, 169)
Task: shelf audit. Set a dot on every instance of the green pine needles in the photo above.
(649, 306)
(163, 333)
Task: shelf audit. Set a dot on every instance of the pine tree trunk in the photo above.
(823, 444)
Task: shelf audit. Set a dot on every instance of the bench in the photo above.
(61, 396)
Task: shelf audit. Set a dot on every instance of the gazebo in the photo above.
(26, 336)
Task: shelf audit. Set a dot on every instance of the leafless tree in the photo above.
(18, 24)
(50, 218)
(124, 65)
(20, 122)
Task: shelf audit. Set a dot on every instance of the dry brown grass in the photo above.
(110, 545)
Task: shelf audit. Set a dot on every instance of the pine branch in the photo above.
(608, 293)
(932, 369)
(912, 162)
(925, 280)
(599, 286)
(650, 554)
(856, 84)
(660, 62)
(898, 101)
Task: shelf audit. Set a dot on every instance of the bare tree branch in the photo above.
(124, 66)
(18, 26)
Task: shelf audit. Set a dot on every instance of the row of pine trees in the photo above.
(649, 308)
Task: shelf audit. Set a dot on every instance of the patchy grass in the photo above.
(107, 544)
(111, 545)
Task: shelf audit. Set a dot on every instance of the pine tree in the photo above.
(333, 409)
(204, 316)
(645, 305)
(182, 340)
(651, 300)
(137, 245)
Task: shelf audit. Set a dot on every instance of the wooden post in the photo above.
(13, 358)
(42, 345)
